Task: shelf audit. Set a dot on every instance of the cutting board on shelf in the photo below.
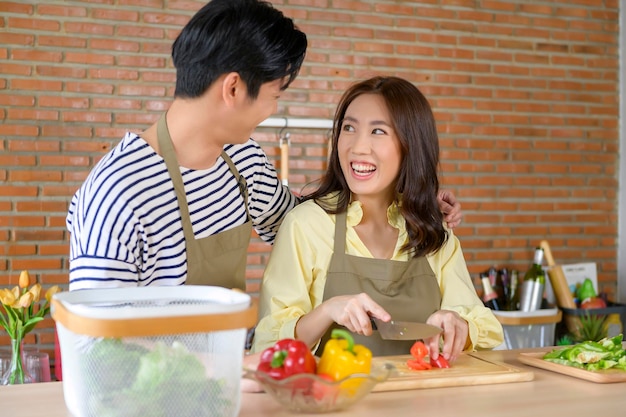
(467, 370)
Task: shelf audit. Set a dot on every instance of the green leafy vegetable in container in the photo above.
(131, 380)
(608, 353)
(111, 365)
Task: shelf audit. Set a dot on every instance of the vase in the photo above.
(16, 372)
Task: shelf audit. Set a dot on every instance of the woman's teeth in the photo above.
(363, 168)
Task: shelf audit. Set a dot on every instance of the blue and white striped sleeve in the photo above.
(268, 199)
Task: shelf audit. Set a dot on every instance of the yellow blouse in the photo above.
(294, 279)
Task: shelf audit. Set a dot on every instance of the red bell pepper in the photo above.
(287, 357)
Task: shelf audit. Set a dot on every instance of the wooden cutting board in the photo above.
(467, 370)
(603, 377)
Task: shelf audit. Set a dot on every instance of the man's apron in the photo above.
(219, 259)
(407, 290)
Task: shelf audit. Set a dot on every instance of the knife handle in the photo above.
(373, 323)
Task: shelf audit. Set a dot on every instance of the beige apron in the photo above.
(219, 259)
(407, 290)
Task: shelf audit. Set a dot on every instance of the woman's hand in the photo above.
(450, 208)
(455, 333)
(354, 312)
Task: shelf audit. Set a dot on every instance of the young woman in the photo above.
(371, 240)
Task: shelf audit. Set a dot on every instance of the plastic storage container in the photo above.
(153, 351)
(529, 329)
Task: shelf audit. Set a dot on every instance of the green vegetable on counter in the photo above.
(608, 353)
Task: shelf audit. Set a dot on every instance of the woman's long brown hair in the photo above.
(418, 184)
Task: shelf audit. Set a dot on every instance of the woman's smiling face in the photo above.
(369, 150)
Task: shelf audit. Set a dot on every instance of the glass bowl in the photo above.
(310, 393)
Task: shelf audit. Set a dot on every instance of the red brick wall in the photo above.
(526, 97)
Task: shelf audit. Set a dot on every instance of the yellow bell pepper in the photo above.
(342, 358)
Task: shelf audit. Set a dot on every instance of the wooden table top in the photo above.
(549, 394)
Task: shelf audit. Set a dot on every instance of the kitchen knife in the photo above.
(404, 330)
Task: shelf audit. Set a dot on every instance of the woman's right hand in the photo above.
(354, 312)
(351, 311)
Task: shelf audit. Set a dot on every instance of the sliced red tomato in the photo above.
(440, 362)
(417, 364)
(419, 350)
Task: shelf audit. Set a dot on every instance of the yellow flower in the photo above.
(7, 297)
(25, 300)
(51, 291)
(24, 309)
(16, 294)
(35, 290)
(24, 280)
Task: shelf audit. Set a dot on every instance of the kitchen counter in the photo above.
(549, 394)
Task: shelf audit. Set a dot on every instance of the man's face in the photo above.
(253, 111)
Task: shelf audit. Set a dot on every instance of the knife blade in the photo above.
(404, 330)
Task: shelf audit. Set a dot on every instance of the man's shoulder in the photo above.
(131, 151)
(131, 148)
(129, 164)
(245, 151)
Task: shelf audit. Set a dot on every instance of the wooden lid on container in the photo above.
(519, 320)
(153, 311)
(205, 323)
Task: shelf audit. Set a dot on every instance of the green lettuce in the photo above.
(608, 353)
(132, 381)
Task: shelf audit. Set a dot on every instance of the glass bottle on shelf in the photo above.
(490, 297)
(504, 281)
(512, 302)
(534, 283)
(495, 278)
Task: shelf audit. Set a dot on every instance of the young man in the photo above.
(176, 204)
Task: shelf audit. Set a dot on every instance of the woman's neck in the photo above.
(375, 232)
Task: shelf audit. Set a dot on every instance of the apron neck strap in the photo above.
(340, 232)
(241, 180)
(166, 147)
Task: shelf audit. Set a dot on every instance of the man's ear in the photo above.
(232, 88)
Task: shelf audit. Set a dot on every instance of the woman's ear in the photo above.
(232, 88)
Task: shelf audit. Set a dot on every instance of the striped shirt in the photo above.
(125, 222)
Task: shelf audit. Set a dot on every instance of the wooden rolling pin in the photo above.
(557, 279)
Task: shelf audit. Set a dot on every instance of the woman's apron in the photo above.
(218, 259)
(407, 290)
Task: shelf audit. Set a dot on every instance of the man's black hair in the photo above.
(249, 37)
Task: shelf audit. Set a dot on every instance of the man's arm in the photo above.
(450, 208)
